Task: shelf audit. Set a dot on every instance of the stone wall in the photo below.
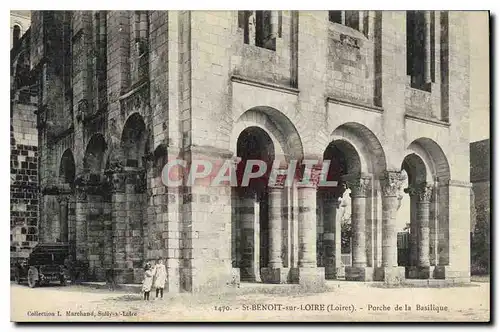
(480, 178)
(204, 85)
(350, 64)
(259, 63)
(24, 180)
(24, 150)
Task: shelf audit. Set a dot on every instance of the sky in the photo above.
(479, 76)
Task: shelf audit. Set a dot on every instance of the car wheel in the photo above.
(17, 278)
(32, 278)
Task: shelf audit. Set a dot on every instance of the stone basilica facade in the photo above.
(120, 93)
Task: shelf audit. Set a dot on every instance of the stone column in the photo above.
(307, 226)
(413, 238)
(63, 218)
(359, 190)
(342, 17)
(338, 239)
(81, 222)
(390, 272)
(420, 268)
(252, 27)
(427, 59)
(275, 214)
(361, 21)
(116, 182)
(424, 195)
(308, 272)
(274, 24)
(423, 205)
(331, 204)
(275, 272)
(250, 236)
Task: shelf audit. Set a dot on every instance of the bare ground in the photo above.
(339, 301)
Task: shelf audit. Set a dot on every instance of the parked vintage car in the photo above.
(44, 265)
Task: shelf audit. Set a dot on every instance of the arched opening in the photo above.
(134, 146)
(66, 198)
(96, 220)
(428, 173)
(16, 35)
(67, 168)
(262, 246)
(133, 143)
(345, 238)
(414, 175)
(252, 241)
(334, 225)
(94, 157)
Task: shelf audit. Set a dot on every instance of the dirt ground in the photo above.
(339, 301)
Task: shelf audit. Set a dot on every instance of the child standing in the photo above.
(160, 277)
(148, 281)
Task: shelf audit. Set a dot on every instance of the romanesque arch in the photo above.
(93, 160)
(280, 129)
(428, 175)
(260, 245)
(357, 160)
(133, 146)
(67, 170)
(365, 143)
(93, 222)
(133, 141)
(434, 157)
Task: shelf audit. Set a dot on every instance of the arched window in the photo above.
(16, 34)
(354, 19)
(261, 27)
(420, 48)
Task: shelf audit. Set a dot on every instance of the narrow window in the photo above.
(101, 68)
(141, 38)
(335, 16)
(419, 49)
(263, 34)
(16, 35)
(261, 28)
(352, 19)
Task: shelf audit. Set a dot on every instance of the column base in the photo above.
(390, 275)
(310, 277)
(235, 277)
(331, 273)
(448, 273)
(358, 273)
(272, 275)
(249, 274)
(419, 272)
(341, 272)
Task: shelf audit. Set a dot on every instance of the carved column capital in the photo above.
(423, 192)
(115, 181)
(281, 175)
(148, 160)
(314, 178)
(81, 193)
(360, 187)
(140, 183)
(391, 183)
(63, 199)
